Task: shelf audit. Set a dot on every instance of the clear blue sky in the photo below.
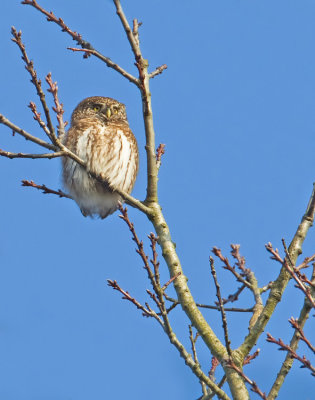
(236, 111)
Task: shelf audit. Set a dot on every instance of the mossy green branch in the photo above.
(189, 306)
(180, 283)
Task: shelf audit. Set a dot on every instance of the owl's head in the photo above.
(104, 108)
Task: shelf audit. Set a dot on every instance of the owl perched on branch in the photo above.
(100, 135)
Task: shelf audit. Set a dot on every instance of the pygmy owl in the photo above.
(100, 135)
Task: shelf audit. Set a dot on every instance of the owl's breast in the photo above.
(114, 156)
(110, 151)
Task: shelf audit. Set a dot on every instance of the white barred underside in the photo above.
(109, 154)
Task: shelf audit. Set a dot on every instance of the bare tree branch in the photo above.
(159, 152)
(37, 117)
(251, 278)
(26, 135)
(217, 252)
(53, 89)
(144, 78)
(231, 309)
(247, 277)
(164, 287)
(17, 38)
(234, 297)
(154, 261)
(231, 361)
(210, 307)
(279, 285)
(251, 357)
(253, 384)
(127, 296)
(45, 189)
(8, 154)
(86, 46)
(158, 71)
(158, 298)
(288, 362)
(193, 341)
(108, 62)
(303, 360)
(295, 324)
(294, 274)
(305, 263)
(223, 315)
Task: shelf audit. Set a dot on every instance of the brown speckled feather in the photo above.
(100, 135)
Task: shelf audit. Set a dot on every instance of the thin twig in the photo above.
(210, 307)
(157, 71)
(17, 38)
(293, 273)
(154, 261)
(295, 270)
(127, 296)
(86, 46)
(156, 301)
(285, 347)
(133, 40)
(223, 315)
(253, 384)
(170, 281)
(26, 135)
(108, 62)
(251, 278)
(214, 364)
(305, 263)
(193, 343)
(217, 252)
(53, 89)
(234, 297)
(247, 277)
(46, 190)
(158, 298)
(240, 261)
(230, 309)
(37, 117)
(274, 253)
(287, 252)
(279, 285)
(251, 357)
(222, 381)
(266, 287)
(295, 324)
(139, 249)
(8, 154)
(288, 362)
(159, 152)
(135, 30)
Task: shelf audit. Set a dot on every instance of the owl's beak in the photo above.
(108, 112)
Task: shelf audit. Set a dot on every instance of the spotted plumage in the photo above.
(100, 135)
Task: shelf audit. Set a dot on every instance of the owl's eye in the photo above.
(115, 110)
(96, 108)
